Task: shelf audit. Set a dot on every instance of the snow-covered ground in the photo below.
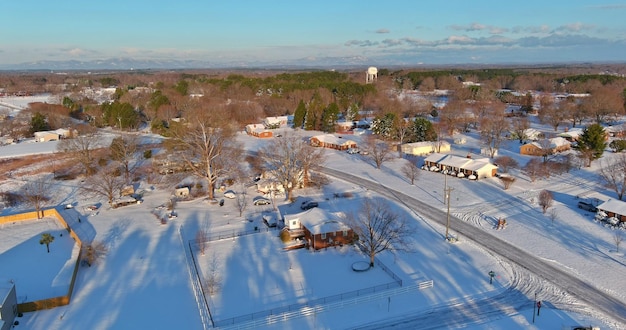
(144, 281)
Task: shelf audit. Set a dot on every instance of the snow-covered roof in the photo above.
(332, 139)
(435, 157)
(425, 144)
(614, 205)
(554, 143)
(318, 221)
(479, 164)
(572, 133)
(455, 161)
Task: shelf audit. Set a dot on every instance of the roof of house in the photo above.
(5, 288)
(572, 133)
(435, 157)
(455, 161)
(332, 139)
(425, 144)
(318, 221)
(614, 206)
(554, 143)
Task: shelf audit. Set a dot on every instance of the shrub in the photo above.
(285, 236)
(147, 154)
(618, 145)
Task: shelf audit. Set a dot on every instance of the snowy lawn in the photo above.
(36, 273)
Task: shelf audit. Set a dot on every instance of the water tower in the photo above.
(371, 75)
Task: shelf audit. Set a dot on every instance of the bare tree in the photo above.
(507, 181)
(519, 126)
(124, 150)
(213, 281)
(547, 149)
(614, 174)
(241, 199)
(545, 200)
(106, 182)
(378, 151)
(617, 239)
(201, 240)
(492, 129)
(534, 169)
(378, 228)
(36, 193)
(505, 163)
(81, 148)
(554, 215)
(207, 145)
(93, 252)
(411, 171)
(286, 160)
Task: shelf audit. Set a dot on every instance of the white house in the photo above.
(277, 122)
(451, 164)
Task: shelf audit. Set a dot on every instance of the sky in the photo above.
(381, 32)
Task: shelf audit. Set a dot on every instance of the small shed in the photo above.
(182, 192)
(614, 208)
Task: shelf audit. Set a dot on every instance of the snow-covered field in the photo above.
(144, 281)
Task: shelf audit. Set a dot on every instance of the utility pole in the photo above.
(447, 195)
(445, 186)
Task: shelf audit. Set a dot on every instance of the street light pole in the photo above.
(447, 195)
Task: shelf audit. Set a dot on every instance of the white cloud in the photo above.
(382, 31)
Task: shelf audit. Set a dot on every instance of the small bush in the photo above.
(618, 145)
(10, 199)
(147, 154)
(285, 236)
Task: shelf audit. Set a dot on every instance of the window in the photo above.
(345, 233)
(324, 236)
(293, 223)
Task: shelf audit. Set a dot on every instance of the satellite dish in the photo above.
(372, 70)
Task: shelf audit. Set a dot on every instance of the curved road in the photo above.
(592, 296)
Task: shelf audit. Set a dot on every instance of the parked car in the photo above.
(261, 201)
(587, 206)
(353, 151)
(308, 205)
(229, 194)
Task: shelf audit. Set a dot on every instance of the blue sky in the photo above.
(383, 32)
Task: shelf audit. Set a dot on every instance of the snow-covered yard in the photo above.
(144, 280)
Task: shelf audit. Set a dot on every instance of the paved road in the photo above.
(594, 297)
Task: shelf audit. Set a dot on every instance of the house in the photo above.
(8, 304)
(331, 141)
(557, 144)
(614, 208)
(460, 166)
(424, 148)
(571, 135)
(618, 131)
(258, 130)
(45, 136)
(265, 186)
(320, 228)
(124, 201)
(277, 122)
